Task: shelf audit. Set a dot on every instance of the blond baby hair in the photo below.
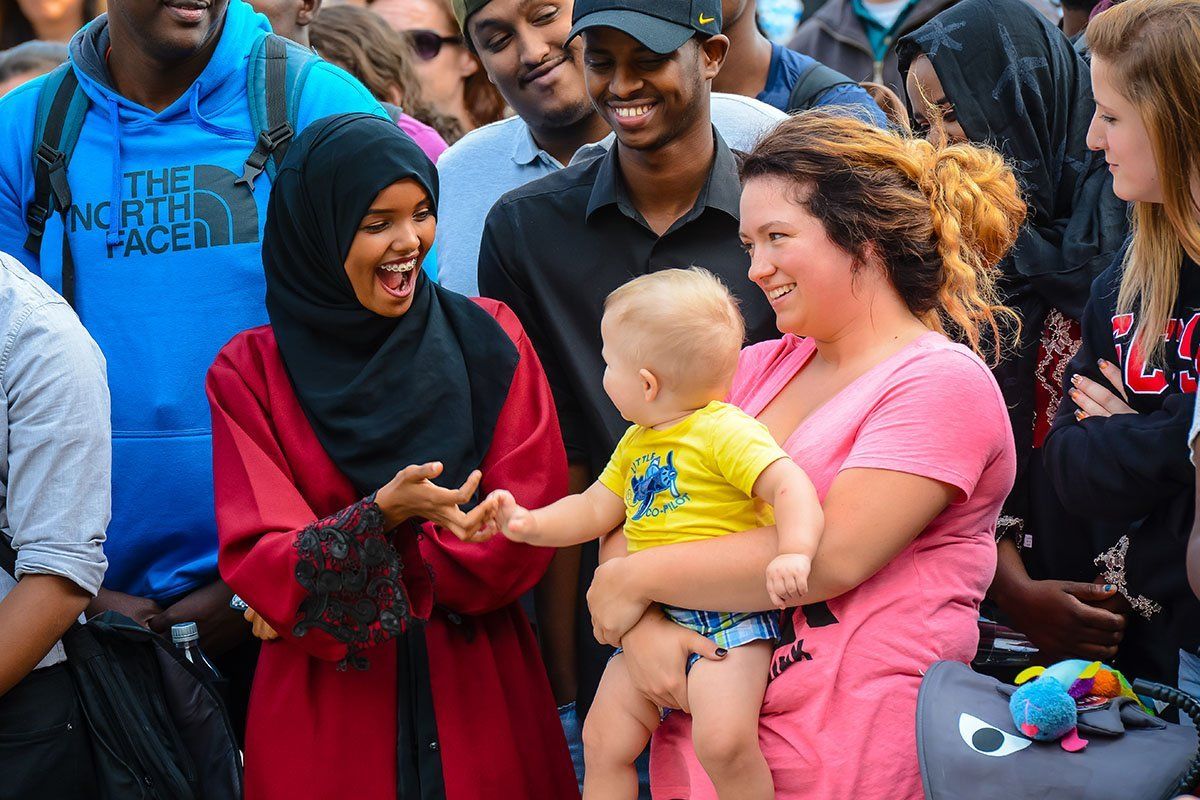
(681, 324)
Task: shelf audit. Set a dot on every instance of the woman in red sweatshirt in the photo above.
(346, 436)
(1117, 450)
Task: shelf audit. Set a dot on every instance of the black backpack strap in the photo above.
(51, 191)
(273, 140)
(8, 556)
(61, 109)
(814, 82)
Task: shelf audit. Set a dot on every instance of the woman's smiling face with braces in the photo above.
(392, 240)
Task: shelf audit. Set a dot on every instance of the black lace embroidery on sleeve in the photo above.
(353, 576)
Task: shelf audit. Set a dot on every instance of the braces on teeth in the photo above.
(407, 266)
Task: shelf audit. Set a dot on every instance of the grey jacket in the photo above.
(835, 37)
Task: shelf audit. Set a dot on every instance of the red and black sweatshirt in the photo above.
(1131, 473)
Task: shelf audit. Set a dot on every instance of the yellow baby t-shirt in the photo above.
(694, 480)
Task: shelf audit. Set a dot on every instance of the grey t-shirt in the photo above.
(55, 437)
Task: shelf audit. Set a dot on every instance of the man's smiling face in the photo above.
(520, 43)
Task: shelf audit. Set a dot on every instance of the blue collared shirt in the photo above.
(55, 437)
(503, 156)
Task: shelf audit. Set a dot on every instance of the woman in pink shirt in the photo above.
(871, 248)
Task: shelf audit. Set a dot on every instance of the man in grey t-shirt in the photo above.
(55, 476)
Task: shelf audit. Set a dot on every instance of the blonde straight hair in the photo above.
(1153, 49)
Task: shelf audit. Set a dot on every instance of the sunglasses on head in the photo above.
(427, 44)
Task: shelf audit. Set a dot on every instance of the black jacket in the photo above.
(1131, 474)
(1017, 85)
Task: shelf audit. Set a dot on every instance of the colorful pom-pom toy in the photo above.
(1046, 705)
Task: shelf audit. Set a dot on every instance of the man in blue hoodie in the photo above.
(167, 262)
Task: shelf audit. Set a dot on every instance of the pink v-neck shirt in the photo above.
(838, 720)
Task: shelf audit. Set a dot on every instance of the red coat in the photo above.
(316, 732)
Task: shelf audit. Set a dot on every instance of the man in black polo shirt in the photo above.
(666, 195)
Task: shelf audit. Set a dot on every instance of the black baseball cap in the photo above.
(661, 25)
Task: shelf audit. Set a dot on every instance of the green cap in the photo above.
(463, 9)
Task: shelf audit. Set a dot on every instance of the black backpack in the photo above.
(814, 82)
(158, 730)
(277, 69)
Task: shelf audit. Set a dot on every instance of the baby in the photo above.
(690, 467)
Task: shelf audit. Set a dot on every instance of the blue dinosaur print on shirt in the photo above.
(657, 478)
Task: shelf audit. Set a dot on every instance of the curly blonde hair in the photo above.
(938, 218)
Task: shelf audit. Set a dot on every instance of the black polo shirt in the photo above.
(554, 249)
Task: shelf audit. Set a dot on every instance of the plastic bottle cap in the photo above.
(185, 632)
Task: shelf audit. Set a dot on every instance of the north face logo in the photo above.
(174, 209)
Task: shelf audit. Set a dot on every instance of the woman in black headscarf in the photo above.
(996, 72)
(348, 438)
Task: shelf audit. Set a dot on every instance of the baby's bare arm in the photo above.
(798, 515)
(575, 519)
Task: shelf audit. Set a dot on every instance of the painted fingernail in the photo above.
(722, 652)
(1102, 363)
(1108, 587)
(1076, 379)
(1080, 416)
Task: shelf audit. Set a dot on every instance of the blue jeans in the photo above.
(573, 729)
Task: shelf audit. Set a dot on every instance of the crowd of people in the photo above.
(626, 397)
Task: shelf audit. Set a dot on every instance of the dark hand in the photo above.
(1115, 602)
(221, 628)
(138, 609)
(1066, 619)
(412, 493)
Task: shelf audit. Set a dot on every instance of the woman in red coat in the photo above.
(346, 436)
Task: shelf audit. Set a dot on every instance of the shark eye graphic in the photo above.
(988, 740)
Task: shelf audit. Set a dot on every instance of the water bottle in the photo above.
(186, 637)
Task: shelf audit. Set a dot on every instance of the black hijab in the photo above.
(1017, 84)
(381, 393)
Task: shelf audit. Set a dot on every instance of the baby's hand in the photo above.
(480, 524)
(516, 523)
(260, 628)
(787, 579)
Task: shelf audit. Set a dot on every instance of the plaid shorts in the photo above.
(728, 630)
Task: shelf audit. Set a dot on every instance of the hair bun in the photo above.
(976, 202)
(940, 217)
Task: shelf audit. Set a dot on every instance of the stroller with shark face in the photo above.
(968, 746)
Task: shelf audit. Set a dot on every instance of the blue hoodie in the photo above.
(163, 285)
